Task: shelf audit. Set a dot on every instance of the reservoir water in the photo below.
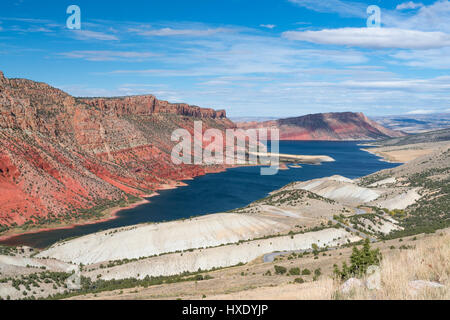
(225, 191)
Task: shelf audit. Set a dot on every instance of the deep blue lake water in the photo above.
(227, 190)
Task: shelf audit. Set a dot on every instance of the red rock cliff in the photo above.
(62, 157)
(148, 104)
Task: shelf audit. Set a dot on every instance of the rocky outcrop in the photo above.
(63, 157)
(217, 237)
(326, 126)
(148, 104)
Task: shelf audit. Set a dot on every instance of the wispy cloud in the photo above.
(29, 25)
(44, 29)
(434, 17)
(257, 69)
(433, 58)
(167, 32)
(408, 5)
(27, 20)
(426, 28)
(108, 55)
(373, 38)
(422, 111)
(429, 85)
(268, 26)
(344, 8)
(93, 35)
(438, 84)
(249, 56)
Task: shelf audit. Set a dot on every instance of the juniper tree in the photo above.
(360, 260)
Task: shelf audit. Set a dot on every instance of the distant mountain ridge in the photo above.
(252, 119)
(415, 123)
(426, 137)
(348, 126)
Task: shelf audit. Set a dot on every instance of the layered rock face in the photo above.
(327, 126)
(148, 104)
(61, 156)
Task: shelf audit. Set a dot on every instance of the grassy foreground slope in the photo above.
(310, 276)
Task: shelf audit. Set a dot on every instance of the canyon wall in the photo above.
(63, 158)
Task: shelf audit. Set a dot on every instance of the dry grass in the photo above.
(317, 290)
(429, 261)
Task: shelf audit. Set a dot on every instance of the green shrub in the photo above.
(294, 271)
(306, 272)
(299, 280)
(317, 272)
(280, 270)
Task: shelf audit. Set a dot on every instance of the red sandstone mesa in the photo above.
(327, 126)
(60, 154)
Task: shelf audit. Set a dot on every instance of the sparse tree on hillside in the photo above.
(360, 260)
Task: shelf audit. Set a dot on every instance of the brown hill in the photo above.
(62, 158)
(327, 126)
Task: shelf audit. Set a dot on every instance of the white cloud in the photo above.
(241, 54)
(166, 32)
(421, 111)
(27, 20)
(248, 71)
(93, 35)
(429, 85)
(43, 29)
(432, 58)
(408, 5)
(251, 57)
(215, 82)
(108, 55)
(33, 28)
(435, 85)
(268, 26)
(373, 38)
(435, 17)
(346, 9)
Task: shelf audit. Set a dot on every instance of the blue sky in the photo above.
(268, 58)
